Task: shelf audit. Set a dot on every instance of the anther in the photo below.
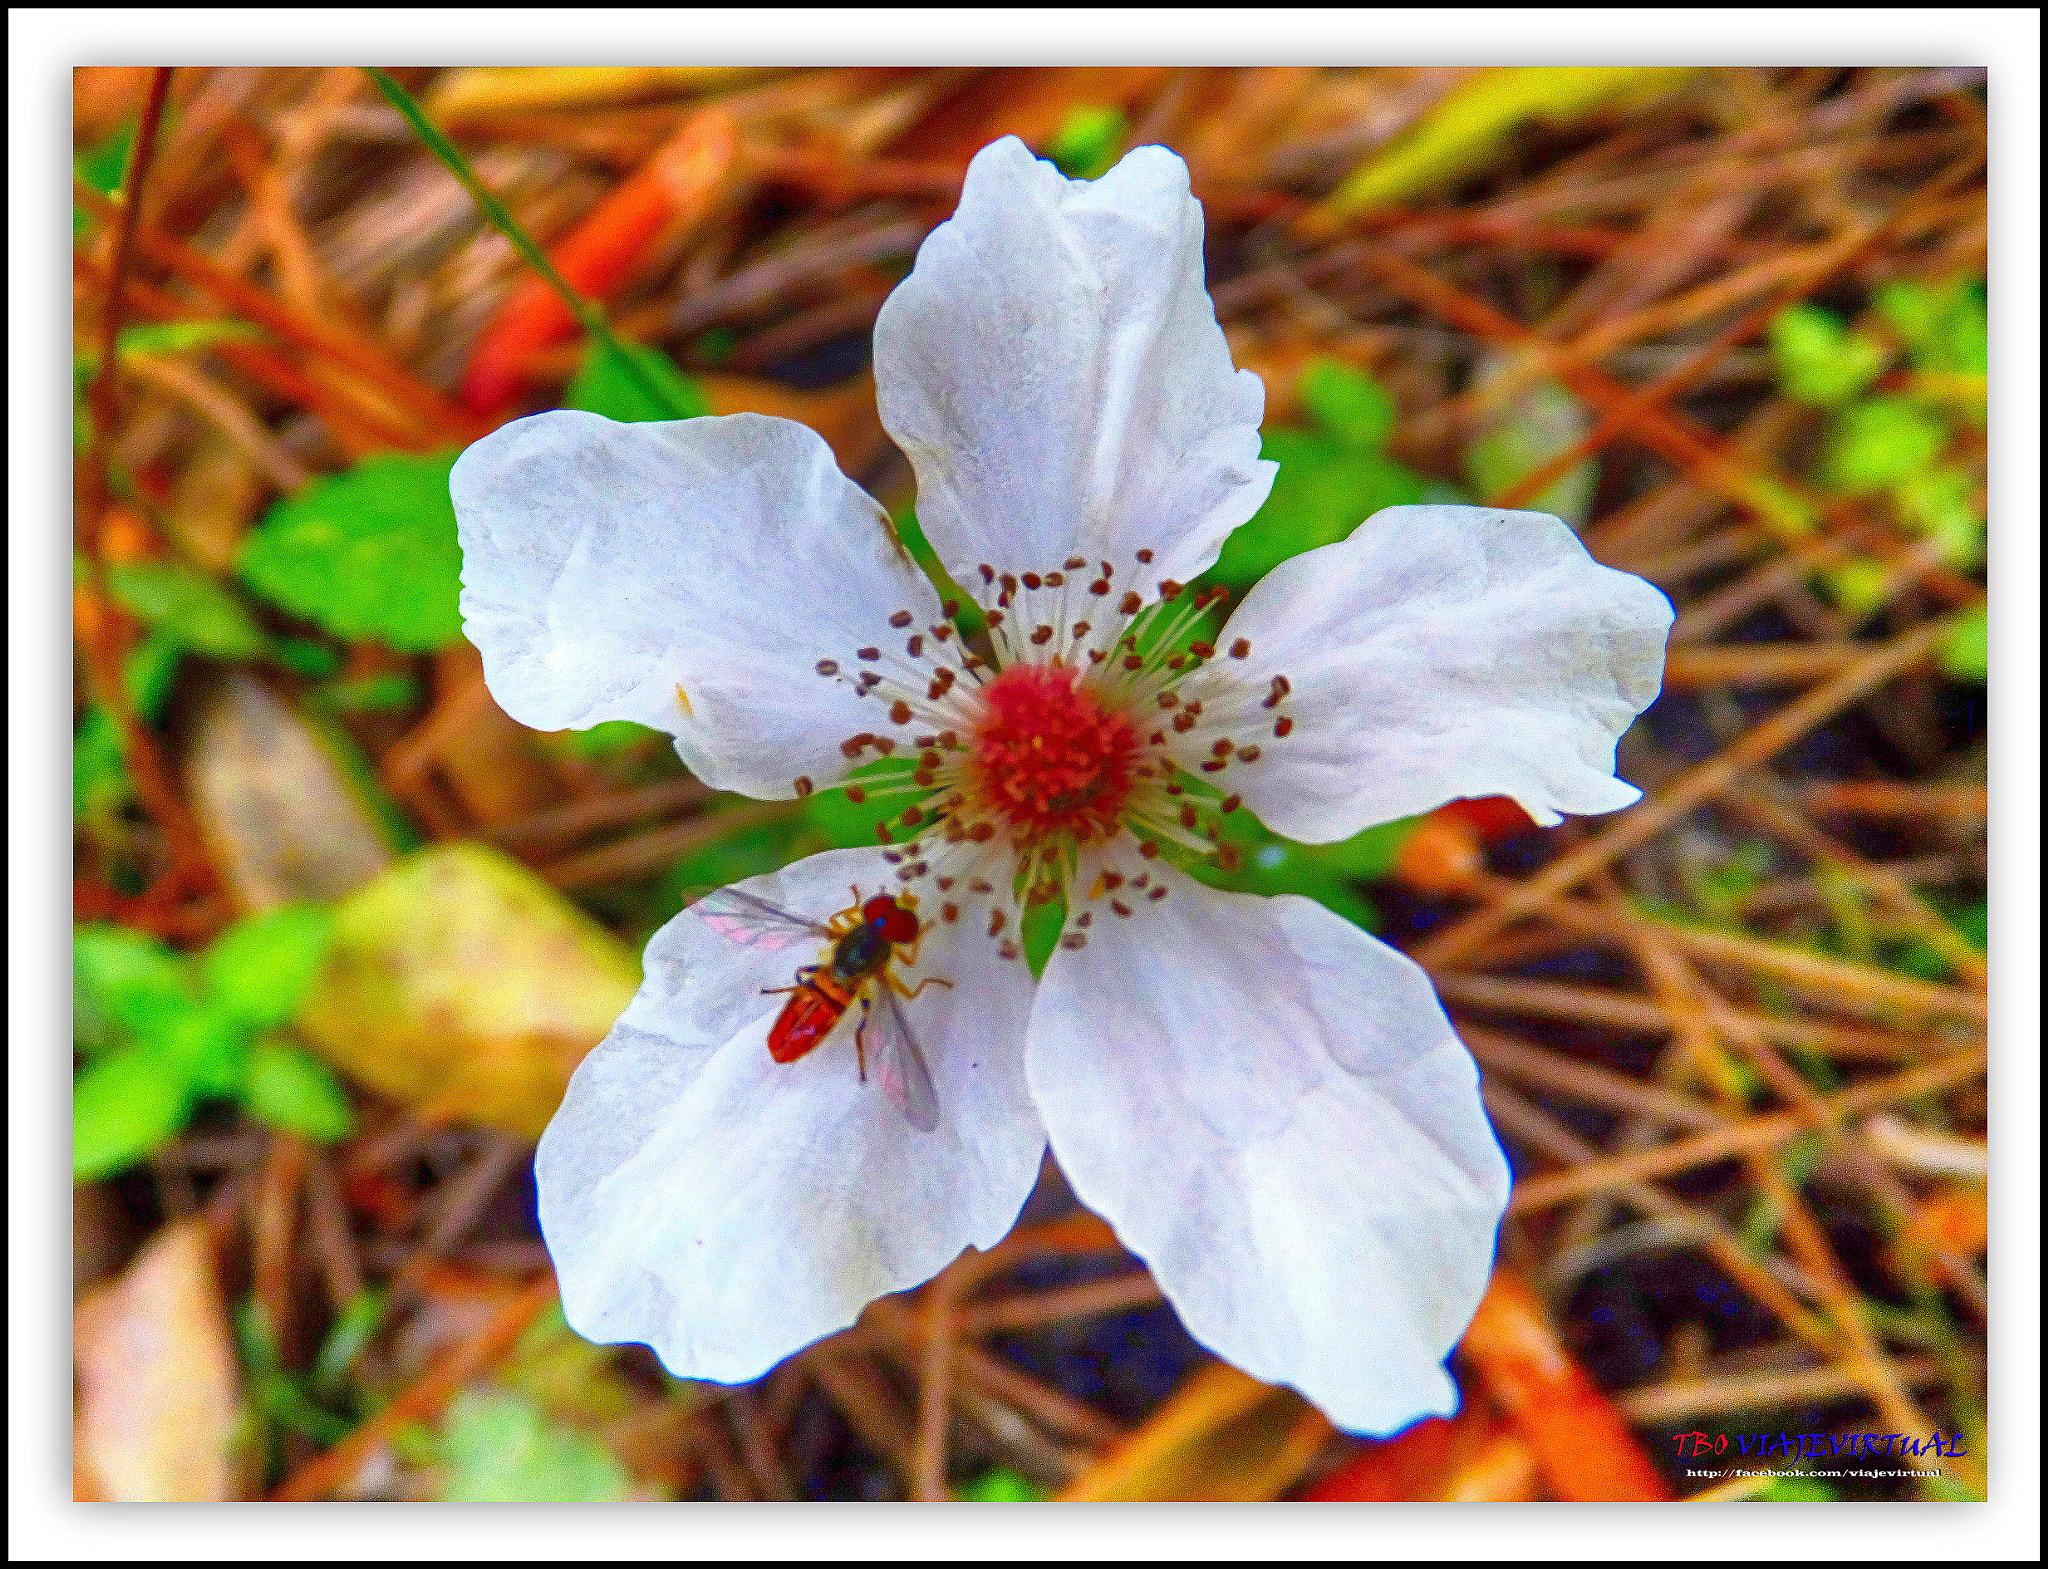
(1042, 636)
(856, 794)
(923, 778)
(978, 885)
(899, 712)
(1247, 754)
(1075, 563)
(1129, 603)
(1169, 700)
(1145, 557)
(1112, 880)
(988, 573)
(1184, 721)
(1157, 893)
(915, 647)
(1241, 649)
(1148, 848)
(1228, 858)
(1174, 789)
(1232, 802)
(1143, 879)
(1280, 689)
(803, 785)
(1009, 583)
(927, 758)
(1158, 738)
(1282, 725)
(1177, 661)
(949, 912)
(1168, 589)
(1120, 907)
(949, 740)
(1055, 580)
(893, 857)
(1220, 749)
(1074, 940)
(942, 632)
(995, 619)
(1202, 650)
(913, 816)
(901, 619)
(1033, 580)
(869, 680)
(1007, 951)
(828, 667)
(882, 833)
(1108, 570)
(1215, 765)
(995, 922)
(869, 654)
(1099, 586)
(1096, 656)
(1188, 816)
(884, 745)
(981, 833)
(1082, 629)
(1083, 918)
(1133, 662)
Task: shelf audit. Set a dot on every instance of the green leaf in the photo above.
(1088, 141)
(125, 1105)
(150, 669)
(609, 738)
(1001, 1486)
(502, 1449)
(1347, 403)
(1880, 441)
(208, 1047)
(260, 967)
(1946, 327)
(370, 694)
(603, 386)
(1325, 489)
(188, 605)
(163, 339)
(355, 1326)
(1941, 504)
(1540, 424)
(1966, 651)
(100, 786)
(1820, 361)
(302, 656)
(368, 553)
(101, 168)
(1858, 586)
(133, 979)
(850, 825)
(290, 1090)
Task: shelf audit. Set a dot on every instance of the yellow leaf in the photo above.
(156, 1378)
(464, 986)
(1222, 1436)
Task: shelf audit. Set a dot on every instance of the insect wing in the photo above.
(755, 923)
(900, 1066)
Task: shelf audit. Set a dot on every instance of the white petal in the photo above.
(1271, 1109)
(606, 565)
(727, 1209)
(1447, 651)
(1053, 368)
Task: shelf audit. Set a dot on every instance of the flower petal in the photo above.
(1053, 368)
(1447, 651)
(727, 1209)
(1271, 1109)
(604, 566)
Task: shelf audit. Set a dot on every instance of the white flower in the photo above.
(1267, 1104)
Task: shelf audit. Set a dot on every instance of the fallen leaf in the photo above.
(1222, 1436)
(1581, 1444)
(156, 1378)
(462, 985)
(274, 802)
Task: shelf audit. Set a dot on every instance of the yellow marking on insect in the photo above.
(684, 698)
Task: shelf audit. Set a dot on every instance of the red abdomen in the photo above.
(805, 1020)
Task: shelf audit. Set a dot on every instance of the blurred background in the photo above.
(343, 928)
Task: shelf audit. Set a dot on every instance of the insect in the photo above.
(865, 937)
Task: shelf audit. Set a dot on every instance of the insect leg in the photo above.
(907, 992)
(803, 974)
(860, 1039)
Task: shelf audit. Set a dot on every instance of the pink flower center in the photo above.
(1048, 759)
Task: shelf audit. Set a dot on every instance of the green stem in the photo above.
(588, 315)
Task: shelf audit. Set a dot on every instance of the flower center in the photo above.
(1048, 758)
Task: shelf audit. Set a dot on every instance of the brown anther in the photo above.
(1007, 951)
(934, 690)
(1168, 700)
(803, 785)
(1108, 570)
(1194, 706)
(1282, 725)
(851, 747)
(1042, 636)
(1009, 583)
(1228, 857)
(1220, 749)
(1129, 604)
(1083, 918)
(869, 681)
(995, 922)
(1202, 650)
(926, 757)
(1174, 789)
(1177, 661)
(1133, 662)
(1168, 589)
(856, 794)
(1099, 586)
(978, 885)
(995, 619)
(981, 833)
(1188, 815)
(1241, 649)
(1280, 690)
(1148, 848)
(949, 740)
(949, 912)
(884, 745)
(1074, 940)
(988, 573)
(1055, 580)
(869, 654)
(901, 619)
(1157, 893)
(1033, 580)
(1120, 907)
(828, 667)
(1159, 738)
(942, 632)
(971, 663)
(922, 778)
(1112, 880)
(915, 647)
(1247, 754)
(1075, 563)
(913, 816)
(945, 883)
(882, 833)
(893, 857)
(1082, 629)
(899, 712)
(1215, 765)
(1145, 556)
(1096, 656)
(951, 607)
(1231, 803)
